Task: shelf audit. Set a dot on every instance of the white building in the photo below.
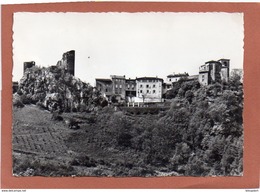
(149, 89)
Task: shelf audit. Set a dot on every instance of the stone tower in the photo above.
(27, 65)
(68, 62)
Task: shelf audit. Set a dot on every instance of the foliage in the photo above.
(33, 166)
(200, 135)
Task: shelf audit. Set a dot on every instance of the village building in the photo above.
(225, 68)
(176, 77)
(105, 86)
(214, 71)
(118, 87)
(173, 78)
(149, 89)
(192, 78)
(130, 89)
(152, 89)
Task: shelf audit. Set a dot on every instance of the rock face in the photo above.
(54, 88)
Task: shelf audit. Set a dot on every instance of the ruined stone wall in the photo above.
(27, 65)
(69, 61)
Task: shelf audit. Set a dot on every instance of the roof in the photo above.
(193, 77)
(117, 77)
(149, 78)
(203, 71)
(178, 75)
(130, 80)
(224, 59)
(105, 80)
(212, 61)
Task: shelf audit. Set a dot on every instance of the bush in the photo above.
(40, 105)
(25, 99)
(40, 167)
(83, 161)
(18, 103)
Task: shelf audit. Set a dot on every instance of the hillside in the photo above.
(200, 135)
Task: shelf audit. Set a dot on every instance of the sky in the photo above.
(130, 44)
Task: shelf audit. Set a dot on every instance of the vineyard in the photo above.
(41, 138)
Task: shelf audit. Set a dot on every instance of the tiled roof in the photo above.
(178, 75)
(148, 78)
(106, 80)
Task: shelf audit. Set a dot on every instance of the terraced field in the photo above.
(35, 133)
(46, 147)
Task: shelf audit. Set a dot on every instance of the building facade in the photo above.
(139, 90)
(176, 77)
(130, 89)
(149, 89)
(118, 85)
(173, 78)
(224, 69)
(105, 86)
(214, 71)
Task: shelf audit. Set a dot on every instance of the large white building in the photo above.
(149, 89)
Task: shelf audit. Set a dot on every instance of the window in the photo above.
(154, 91)
(147, 86)
(106, 90)
(128, 86)
(116, 86)
(141, 91)
(141, 85)
(153, 85)
(120, 86)
(147, 91)
(170, 79)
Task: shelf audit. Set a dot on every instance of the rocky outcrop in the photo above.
(53, 88)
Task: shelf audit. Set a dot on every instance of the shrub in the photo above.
(83, 161)
(40, 105)
(18, 103)
(25, 99)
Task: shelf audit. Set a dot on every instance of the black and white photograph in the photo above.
(117, 94)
